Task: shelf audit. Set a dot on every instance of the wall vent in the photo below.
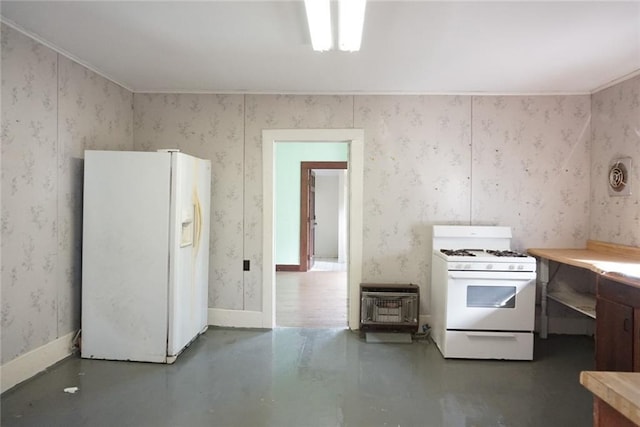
(619, 177)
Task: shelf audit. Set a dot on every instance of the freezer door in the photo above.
(125, 255)
(189, 250)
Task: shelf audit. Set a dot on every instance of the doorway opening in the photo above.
(354, 138)
(316, 295)
(322, 182)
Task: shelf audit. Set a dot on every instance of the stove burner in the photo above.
(457, 252)
(506, 253)
(470, 252)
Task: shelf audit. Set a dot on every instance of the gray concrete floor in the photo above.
(311, 377)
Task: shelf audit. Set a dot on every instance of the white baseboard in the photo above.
(254, 319)
(29, 364)
(235, 318)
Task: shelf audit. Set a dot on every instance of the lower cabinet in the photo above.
(614, 336)
(617, 337)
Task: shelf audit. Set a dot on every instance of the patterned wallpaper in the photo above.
(209, 127)
(435, 159)
(52, 110)
(277, 112)
(417, 170)
(228, 131)
(461, 160)
(521, 161)
(615, 133)
(29, 195)
(531, 168)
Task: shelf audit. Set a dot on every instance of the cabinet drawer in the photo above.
(619, 292)
(489, 345)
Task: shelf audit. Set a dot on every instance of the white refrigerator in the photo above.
(145, 254)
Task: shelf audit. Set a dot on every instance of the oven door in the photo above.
(491, 300)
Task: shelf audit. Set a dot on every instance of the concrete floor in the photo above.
(311, 377)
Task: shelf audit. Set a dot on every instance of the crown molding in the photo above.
(614, 82)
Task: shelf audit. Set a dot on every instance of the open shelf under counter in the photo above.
(580, 302)
(598, 257)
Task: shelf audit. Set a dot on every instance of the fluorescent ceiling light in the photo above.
(319, 17)
(351, 21)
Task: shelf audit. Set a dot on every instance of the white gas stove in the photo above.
(482, 294)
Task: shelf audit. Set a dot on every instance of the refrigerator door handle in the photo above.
(197, 218)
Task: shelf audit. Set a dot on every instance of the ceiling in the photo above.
(511, 47)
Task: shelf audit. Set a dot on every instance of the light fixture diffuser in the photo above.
(319, 17)
(351, 21)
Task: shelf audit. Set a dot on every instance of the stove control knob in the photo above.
(511, 267)
(467, 266)
(521, 267)
(489, 266)
(458, 267)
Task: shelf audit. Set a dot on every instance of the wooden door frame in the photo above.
(305, 167)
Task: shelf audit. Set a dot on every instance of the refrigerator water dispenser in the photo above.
(186, 236)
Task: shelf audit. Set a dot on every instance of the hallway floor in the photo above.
(313, 299)
(328, 264)
(311, 377)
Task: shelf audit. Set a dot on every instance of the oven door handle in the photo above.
(503, 335)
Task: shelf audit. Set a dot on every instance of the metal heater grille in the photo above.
(389, 309)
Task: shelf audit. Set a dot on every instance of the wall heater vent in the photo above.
(389, 307)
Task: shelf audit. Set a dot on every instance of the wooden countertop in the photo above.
(621, 390)
(599, 257)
